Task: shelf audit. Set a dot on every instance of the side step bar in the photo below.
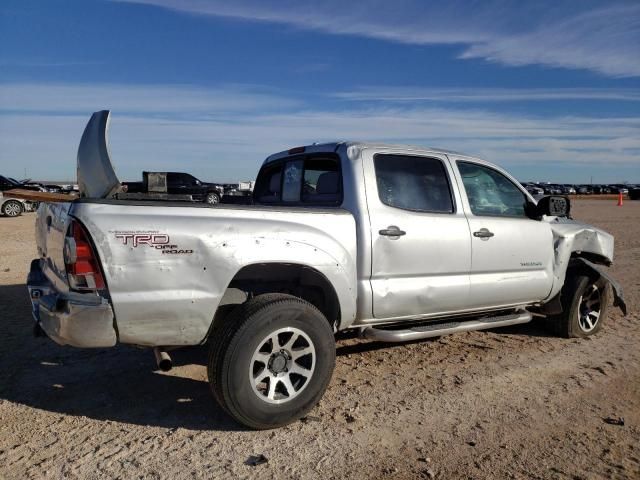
(445, 328)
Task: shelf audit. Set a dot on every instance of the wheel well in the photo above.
(592, 257)
(298, 280)
(576, 267)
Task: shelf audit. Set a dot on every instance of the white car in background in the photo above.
(14, 207)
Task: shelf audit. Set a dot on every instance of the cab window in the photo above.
(310, 180)
(413, 183)
(490, 193)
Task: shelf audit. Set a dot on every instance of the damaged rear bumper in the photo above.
(70, 318)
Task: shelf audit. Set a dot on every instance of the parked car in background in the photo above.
(14, 207)
(8, 183)
(176, 186)
(618, 188)
(551, 189)
(534, 190)
(584, 190)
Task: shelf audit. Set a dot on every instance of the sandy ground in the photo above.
(513, 403)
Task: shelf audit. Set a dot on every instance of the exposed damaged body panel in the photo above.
(96, 176)
(168, 267)
(575, 243)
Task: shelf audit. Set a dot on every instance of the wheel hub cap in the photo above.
(278, 362)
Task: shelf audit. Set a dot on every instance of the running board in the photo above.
(445, 328)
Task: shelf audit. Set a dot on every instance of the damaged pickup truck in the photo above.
(399, 243)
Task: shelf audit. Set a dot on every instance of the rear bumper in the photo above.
(70, 318)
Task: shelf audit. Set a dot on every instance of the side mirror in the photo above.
(554, 205)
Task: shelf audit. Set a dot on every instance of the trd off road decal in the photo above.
(151, 239)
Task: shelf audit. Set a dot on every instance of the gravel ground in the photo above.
(510, 403)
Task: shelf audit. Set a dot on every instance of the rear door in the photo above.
(512, 254)
(421, 247)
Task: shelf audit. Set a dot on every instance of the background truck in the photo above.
(178, 186)
(399, 243)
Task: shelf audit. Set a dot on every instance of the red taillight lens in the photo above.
(83, 268)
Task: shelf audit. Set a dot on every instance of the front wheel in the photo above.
(585, 303)
(12, 208)
(271, 360)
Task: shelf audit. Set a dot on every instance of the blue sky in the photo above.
(548, 89)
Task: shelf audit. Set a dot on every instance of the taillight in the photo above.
(83, 268)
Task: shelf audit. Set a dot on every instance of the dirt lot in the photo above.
(512, 403)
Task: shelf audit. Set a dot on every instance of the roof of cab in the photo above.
(333, 146)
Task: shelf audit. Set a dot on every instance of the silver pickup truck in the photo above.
(399, 243)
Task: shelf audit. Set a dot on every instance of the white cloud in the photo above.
(231, 144)
(142, 99)
(472, 95)
(600, 36)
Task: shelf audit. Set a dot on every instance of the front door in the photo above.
(512, 254)
(421, 247)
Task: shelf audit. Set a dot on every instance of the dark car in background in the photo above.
(618, 188)
(177, 185)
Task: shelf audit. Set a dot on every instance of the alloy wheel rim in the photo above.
(589, 309)
(12, 209)
(212, 199)
(282, 365)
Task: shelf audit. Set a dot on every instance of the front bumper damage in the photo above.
(69, 318)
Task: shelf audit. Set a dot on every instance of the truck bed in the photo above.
(167, 265)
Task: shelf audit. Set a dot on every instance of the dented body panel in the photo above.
(572, 238)
(167, 268)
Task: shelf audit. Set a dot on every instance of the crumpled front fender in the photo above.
(618, 297)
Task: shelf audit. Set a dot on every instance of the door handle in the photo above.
(392, 231)
(483, 233)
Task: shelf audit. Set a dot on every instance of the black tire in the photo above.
(581, 296)
(212, 198)
(12, 208)
(235, 343)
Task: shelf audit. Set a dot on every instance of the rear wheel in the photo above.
(585, 303)
(271, 360)
(12, 208)
(212, 198)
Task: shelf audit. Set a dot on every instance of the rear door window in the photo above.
(413, 183)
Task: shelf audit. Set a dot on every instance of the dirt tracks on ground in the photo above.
(510, 403)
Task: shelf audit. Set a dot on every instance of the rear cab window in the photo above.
(301, 180)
